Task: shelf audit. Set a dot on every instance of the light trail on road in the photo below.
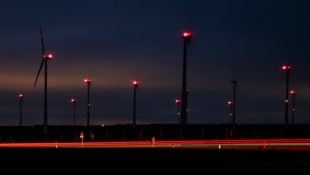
(238, 144)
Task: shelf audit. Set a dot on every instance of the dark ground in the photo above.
(151, 161)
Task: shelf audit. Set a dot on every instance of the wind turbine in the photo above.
(45, 58)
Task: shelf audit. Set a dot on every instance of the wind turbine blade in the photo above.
(35, 82)
(43, 56)
(42, 42)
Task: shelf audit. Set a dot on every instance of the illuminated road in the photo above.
(169, 156)
(238, 144)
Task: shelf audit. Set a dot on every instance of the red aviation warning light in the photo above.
(135, 83)
(72, 100)
(20, 95)
(187, 35)
(286, 67)
(48, 56)
(86, 80)
(230, 102)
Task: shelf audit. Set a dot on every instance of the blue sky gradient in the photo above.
(115, 42)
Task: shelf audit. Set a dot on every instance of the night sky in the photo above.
(113, 42)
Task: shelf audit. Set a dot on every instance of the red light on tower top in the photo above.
(72, 100)
(230, 102)
(135, 83)
(48, 56)
(186, 35)
(177, 101)
(286, 67)
(292, 92)
(86, 80)
(20, 95)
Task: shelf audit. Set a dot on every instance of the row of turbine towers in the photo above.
(186, 36)
(47, 57)
(183, 102)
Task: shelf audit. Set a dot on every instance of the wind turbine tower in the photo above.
(45, 58)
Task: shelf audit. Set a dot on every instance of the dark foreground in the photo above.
(150, 160)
